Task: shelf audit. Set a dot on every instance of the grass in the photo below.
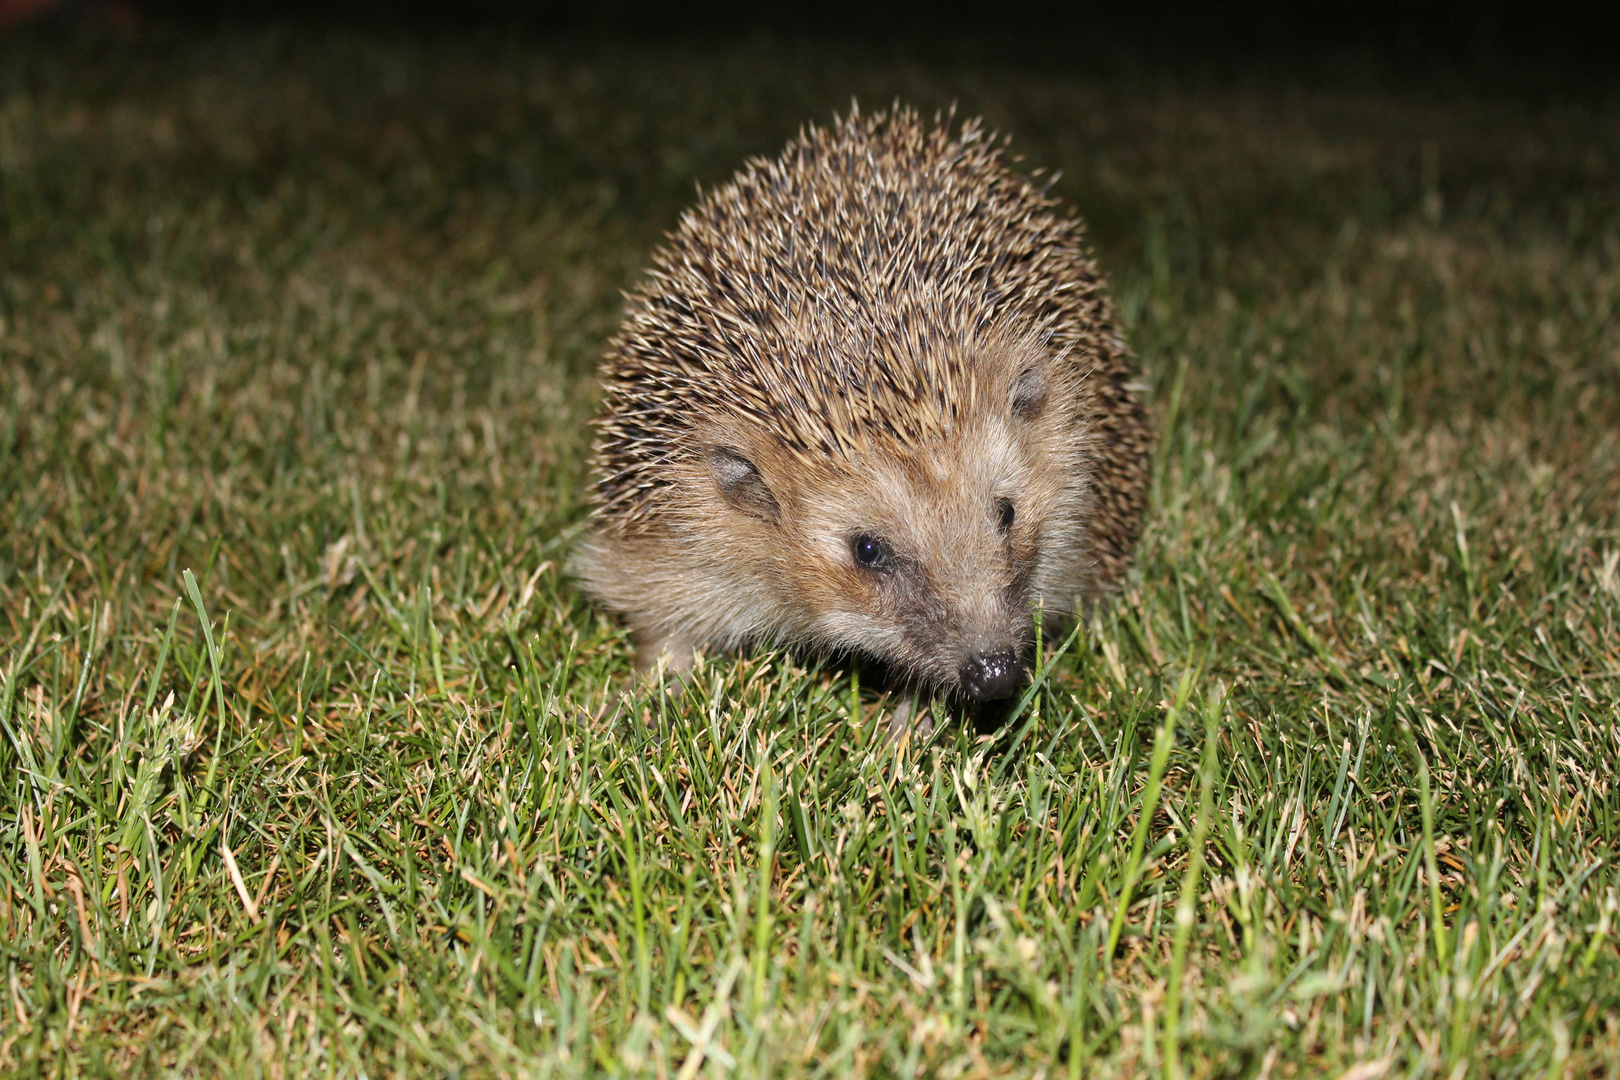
(315, 761)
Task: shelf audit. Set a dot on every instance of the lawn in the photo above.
(316, 761)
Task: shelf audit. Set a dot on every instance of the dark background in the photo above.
(1513, 42)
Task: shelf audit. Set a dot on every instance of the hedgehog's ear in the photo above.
(742, 485)
(1029, 394)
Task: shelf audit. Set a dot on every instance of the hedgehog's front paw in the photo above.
(913, 717)
(671, 653)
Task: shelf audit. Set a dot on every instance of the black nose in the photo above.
(991, 675)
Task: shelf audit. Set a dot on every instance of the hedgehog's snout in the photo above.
(992, 675)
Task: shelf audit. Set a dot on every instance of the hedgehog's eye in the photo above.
(1004, 514)
(870, 552)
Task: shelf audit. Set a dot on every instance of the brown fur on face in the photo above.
(877, 343)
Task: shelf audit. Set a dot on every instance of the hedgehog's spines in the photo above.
(872, 229)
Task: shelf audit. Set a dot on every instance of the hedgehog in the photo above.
(870, 402)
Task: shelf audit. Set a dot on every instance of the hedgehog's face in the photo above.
(936, 560)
